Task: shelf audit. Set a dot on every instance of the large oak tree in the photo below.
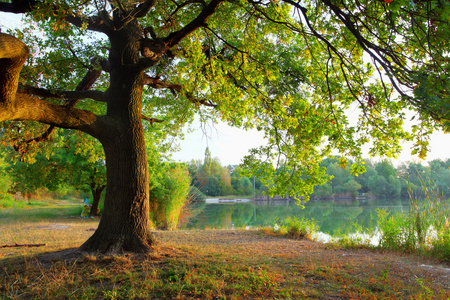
(293, 69)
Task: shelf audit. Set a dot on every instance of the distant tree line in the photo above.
(61, 173)
(381, 179)
(212, 179)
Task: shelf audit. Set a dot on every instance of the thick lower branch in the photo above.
(29, 108)
(156, 83)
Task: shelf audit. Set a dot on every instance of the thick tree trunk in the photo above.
(125, 222)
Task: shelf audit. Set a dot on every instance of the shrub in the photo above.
(424, 228)
(7, 201)
(397, 231)
(297, 228)
(169, 197)
(441, 246)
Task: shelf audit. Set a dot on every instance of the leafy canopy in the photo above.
(293, 70)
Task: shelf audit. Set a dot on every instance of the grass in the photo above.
(424, 229)
(219, 264)
(294, 228)
(47, 224)
(37, 210)
(205, 264)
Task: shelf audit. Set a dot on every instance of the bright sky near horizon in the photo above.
(231, 144)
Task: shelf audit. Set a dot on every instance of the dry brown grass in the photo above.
(210, 264)
(57, 235)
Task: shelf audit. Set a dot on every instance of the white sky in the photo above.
(231, 144)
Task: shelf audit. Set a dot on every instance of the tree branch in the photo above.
(199, 101)
(158, 84)
(151, 50)
(180, 6)
(100, 23)
(175, 37)
(22, 245)
(30, 108)
(151, 120)
(17, 7)
(23, 6)
(174, 88)
(23, 147)
(82, 91)
(72, 95)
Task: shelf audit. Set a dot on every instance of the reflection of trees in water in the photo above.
(331, 216)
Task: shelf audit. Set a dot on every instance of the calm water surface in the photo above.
(333, 216)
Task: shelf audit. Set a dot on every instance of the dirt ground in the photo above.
(359, 262)
(291, 269)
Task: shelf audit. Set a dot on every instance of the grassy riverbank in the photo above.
(207, 264)
(203, 264)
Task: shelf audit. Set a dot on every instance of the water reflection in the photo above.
(332, 216)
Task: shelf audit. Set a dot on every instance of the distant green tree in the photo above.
(390, 187)
(377, 185)
(363, 179)
(414, 175)
(385, 168)
(338, 190)
(42, 172)
(393, 187)
(212, 187)
(81, 165)
(193, 167)
(323, 191)
(213, 179)
(352, 186)
(246, 186)
(440, 175)
(443, 182)
(84, 162)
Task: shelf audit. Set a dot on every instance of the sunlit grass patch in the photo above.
(56, 234)
(296, 228)
(40, 210)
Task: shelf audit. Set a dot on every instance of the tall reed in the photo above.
(424, 228)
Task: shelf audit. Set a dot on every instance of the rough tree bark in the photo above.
(125, 224)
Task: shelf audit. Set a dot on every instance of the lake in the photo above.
(333, 216)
